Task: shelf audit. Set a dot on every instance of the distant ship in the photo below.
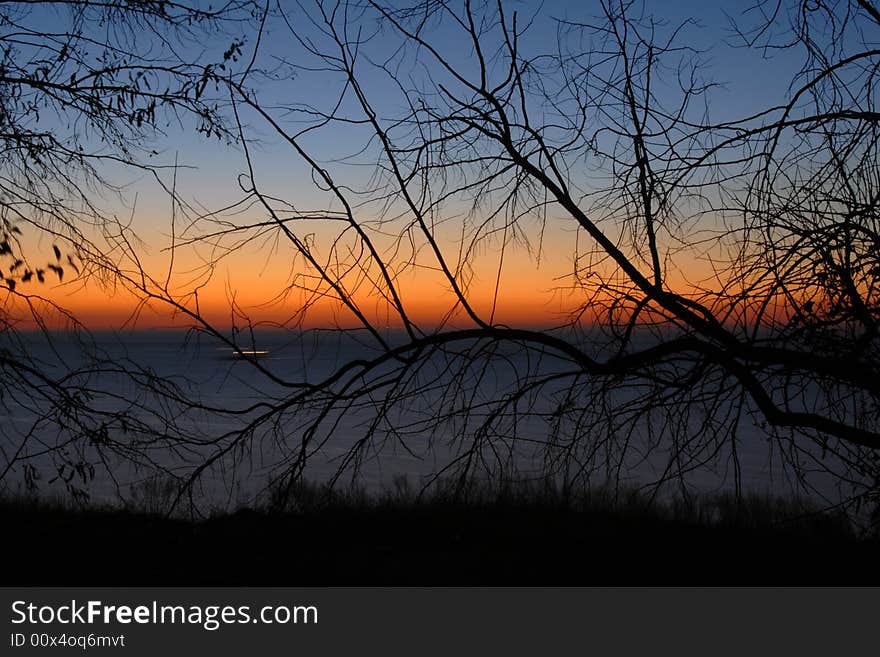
(228, 353)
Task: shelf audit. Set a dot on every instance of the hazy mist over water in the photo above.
(206, 370)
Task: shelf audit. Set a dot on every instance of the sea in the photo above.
(113, 416)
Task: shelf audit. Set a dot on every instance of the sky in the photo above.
(258, 279)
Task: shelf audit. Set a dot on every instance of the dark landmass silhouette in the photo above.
(401, 541)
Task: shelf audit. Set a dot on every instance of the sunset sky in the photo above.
(535, 285)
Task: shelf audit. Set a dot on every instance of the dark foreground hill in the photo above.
(506, 541)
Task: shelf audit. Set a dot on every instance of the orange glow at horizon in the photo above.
(122, 310)
(527, 295)
(260, 284)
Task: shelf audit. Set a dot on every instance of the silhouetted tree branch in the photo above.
(85, 90)
(612, 134)
(479, 144)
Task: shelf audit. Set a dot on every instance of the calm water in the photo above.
(417, 437)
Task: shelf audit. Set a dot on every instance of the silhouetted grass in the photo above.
(720, 510)
(522, 533)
